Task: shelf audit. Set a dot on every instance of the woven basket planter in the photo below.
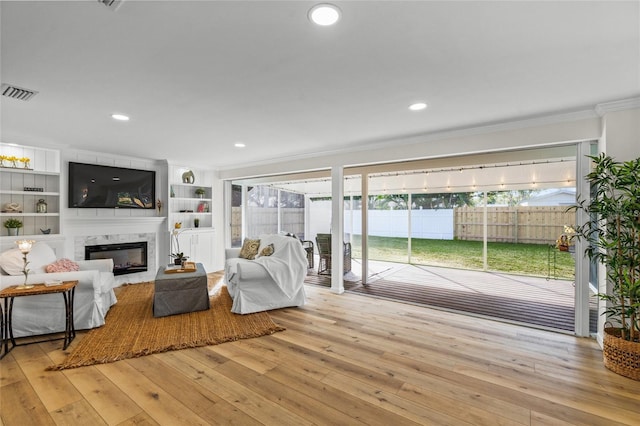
(621, 356)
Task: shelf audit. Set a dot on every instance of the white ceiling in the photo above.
(196, 77)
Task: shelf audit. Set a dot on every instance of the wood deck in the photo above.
(519, 299)
(342, 360)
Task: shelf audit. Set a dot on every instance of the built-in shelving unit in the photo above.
(188, 208)
(185, 205)
(21, 188)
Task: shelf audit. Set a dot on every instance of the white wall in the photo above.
(131, 224)
(623, 134)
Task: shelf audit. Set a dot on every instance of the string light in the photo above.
(472, 186)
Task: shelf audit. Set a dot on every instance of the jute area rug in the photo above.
(131, 331)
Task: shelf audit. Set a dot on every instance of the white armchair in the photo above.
(43, 314)
(268, 282)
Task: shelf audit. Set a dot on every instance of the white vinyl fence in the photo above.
(429, 224)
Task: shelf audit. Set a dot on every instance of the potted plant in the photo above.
(613, 234)
(12, 225)
(200, 192)
(177, 254)
(179, 258)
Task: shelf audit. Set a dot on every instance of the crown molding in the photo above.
(621, 105)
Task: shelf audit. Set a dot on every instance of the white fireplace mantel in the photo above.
(118, 222)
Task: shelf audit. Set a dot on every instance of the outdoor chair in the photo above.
(308, 248)
(323, 241)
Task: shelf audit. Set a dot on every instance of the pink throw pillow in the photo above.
(62, 265)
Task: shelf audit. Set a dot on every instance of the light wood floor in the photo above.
(344, 359)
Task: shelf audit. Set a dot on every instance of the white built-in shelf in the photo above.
(34, 193)
(182, 197)
(43, 174)
(28, 171)
(30, 214)
(190, 199)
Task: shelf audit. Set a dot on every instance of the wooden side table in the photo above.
(67, 288)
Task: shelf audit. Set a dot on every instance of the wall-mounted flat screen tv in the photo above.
(105, 187)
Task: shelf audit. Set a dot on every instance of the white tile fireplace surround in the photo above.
(150, 238)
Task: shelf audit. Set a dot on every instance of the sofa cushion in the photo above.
(39, 257)
(279, 242)
(249, 249)
(267, 251)
(62, 265)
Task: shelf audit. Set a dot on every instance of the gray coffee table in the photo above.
(178, 293)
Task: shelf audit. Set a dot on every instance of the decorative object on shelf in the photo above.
(188, 177)
(177, 225)
(45, 231)
(13, 160)
(172, 194)
(41, 206)
(200, 192)
(12, 208)
(612, 235)
(196, 223)
(2, 160)
(32, 189)
(159, 206)
(25, 161)
(25, 247)
(203, 207)
(13, 225)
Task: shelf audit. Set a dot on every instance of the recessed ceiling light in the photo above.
(120, 117)
(418, 106)
(324, 14)
(239, 145)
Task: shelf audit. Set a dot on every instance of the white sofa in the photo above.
(44, 314)
(268, 282)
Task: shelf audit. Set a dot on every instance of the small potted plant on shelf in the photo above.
(200, 192)
(12, 225)
(613, 234)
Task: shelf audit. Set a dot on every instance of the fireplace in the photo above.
(128, 258)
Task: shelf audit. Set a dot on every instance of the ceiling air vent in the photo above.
(111, 4)
(16, 92)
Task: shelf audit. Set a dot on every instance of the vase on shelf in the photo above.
(12, 232)
(41, 206)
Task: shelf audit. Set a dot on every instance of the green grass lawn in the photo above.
(526, 259)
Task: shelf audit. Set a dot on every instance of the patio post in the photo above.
(364, 240)
(485, 263)
(337, 229)
(581, 303)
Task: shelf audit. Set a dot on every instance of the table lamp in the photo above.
(25, 247)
